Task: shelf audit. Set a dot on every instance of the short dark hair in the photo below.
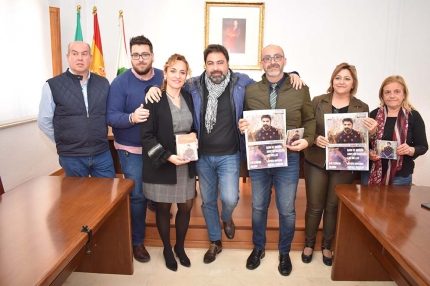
(215, 49)
(266, 116)
(141, 40)
(347, 119)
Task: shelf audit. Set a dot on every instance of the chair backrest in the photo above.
(1, 188)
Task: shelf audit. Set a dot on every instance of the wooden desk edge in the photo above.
(387, 246)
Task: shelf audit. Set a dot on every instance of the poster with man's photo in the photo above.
(294, 135)
(386, 149)
(265, 139)
(348, 147)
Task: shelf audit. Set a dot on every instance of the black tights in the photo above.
(182, 221)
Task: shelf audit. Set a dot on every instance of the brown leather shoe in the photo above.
(229, 229)
(140, 253)
(210, 255)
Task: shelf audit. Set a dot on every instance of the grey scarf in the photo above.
(215, 91)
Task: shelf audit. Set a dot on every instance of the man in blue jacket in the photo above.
(125, 112)
(218, 96)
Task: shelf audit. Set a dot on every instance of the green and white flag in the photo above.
(123, 61)
(78, 33)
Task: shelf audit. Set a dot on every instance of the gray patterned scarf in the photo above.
(215, 91)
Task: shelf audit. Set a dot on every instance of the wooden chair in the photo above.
(1, 188)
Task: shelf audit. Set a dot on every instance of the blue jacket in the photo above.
(238, 83)
(127, 93)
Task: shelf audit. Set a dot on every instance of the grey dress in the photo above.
(185, 188)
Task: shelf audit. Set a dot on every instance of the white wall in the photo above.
(380, 38)
(25, 152)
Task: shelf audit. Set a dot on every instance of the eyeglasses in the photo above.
(276, 58)
(396, 92)
(144, 56)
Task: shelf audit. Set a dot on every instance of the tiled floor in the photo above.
(227, 269)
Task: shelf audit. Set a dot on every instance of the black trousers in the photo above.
(322, 201)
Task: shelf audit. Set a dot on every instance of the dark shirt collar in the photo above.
(278, 84)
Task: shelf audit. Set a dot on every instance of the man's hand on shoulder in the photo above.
(296, 81)
(153, 95)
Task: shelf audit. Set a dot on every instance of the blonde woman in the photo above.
(397, 121)
(168, 177)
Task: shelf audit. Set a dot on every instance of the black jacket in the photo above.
(157, 138)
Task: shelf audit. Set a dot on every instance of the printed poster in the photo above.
(265, 139)
(294, 135)
(386, 149)
(186, 146)
(348, 147)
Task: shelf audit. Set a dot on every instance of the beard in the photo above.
(274, 73)
(266, 126)
(217, 79)
(143, 69)
(347, 130)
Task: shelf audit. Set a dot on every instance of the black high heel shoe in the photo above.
(307, 258)
(183, 259)
(327, 260)
(170, 260)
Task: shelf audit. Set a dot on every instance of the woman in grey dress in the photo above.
(169, 178)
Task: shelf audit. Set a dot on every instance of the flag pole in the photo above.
(78, 32)
(123, 62)
(94, 10)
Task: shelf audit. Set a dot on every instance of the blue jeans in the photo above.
(98, 166)
(285, 181)
(131, 165)
(397, 181)
(222, 170)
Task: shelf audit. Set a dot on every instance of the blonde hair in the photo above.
(170, 62)
(352, 70)
(396, 78)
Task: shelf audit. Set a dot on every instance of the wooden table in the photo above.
(383, 233)
(41, 241)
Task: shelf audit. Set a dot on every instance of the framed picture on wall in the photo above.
(238, 27)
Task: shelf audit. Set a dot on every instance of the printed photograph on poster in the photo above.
(294, 135)
(386, 149)
(348, 141)
(186, 146)
(265, 139)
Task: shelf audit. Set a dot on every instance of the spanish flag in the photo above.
(97, 65)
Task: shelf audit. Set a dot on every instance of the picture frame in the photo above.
(239, 27)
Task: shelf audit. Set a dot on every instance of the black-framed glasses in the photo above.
(144, 56)
(276, 58)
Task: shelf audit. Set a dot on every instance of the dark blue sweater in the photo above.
(127, 93)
